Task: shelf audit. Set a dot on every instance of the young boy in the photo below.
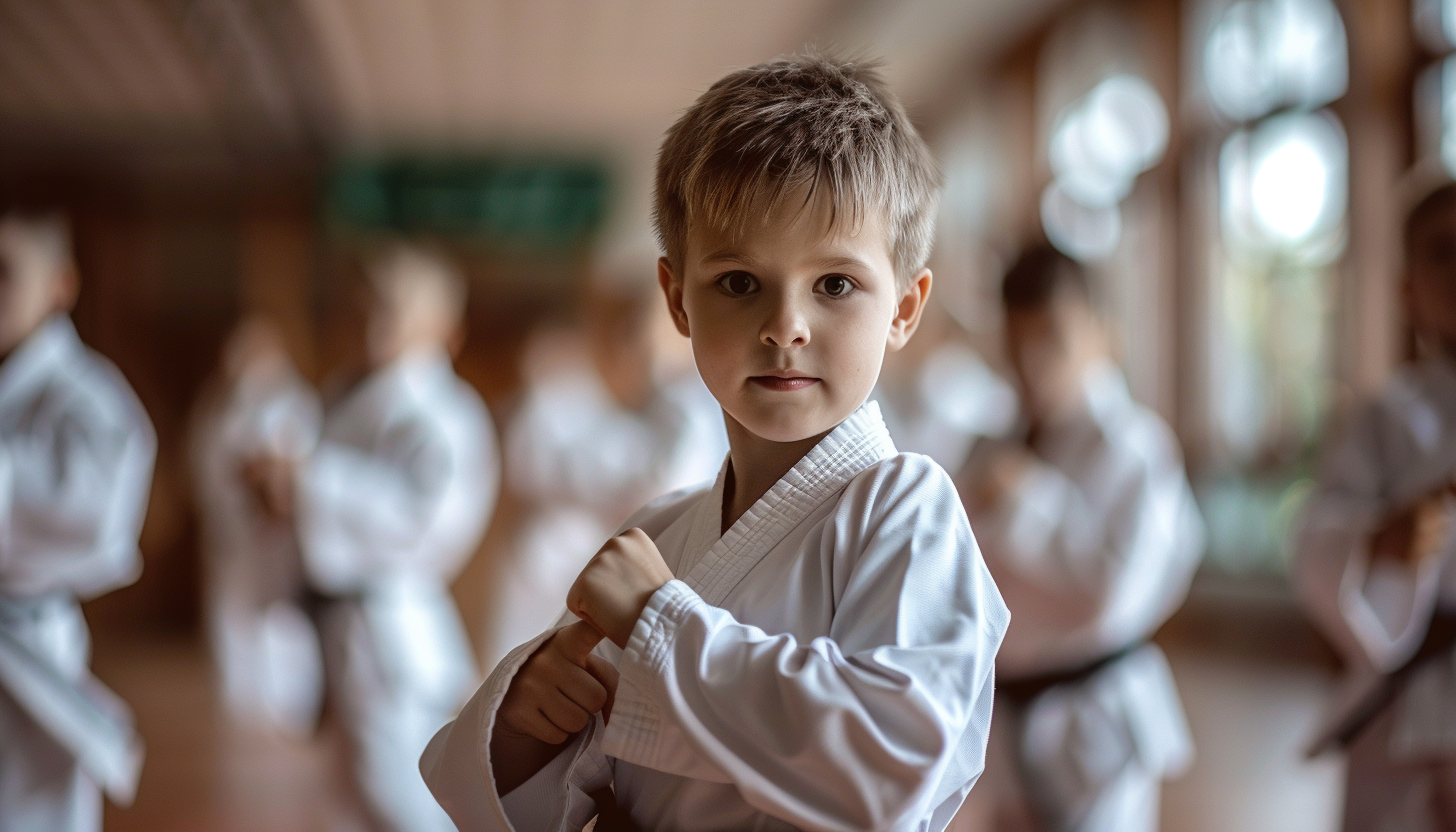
(389, 507)
(1374, 559)
(809, 642)
(263, 645)
(1091, 532)
(76, 452)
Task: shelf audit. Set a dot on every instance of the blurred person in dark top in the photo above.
(1090, 530)
(76, 454)
(1374, 561)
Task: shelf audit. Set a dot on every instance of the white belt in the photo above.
(82, 715)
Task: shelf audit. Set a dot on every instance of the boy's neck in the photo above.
(755, 464)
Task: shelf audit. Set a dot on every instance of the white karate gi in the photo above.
(826, 664)
(76, 453)
(1397, 449)
(583, 463)
(1092, 551)
(391, 505)
(942, 409)
(264, 645)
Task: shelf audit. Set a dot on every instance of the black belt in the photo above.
(1440, 639)
(1024, 689)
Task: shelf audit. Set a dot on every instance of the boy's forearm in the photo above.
(516, 759)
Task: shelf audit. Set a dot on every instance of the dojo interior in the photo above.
(218, 157)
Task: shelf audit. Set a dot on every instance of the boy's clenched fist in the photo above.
(558, 689)
(617, 583)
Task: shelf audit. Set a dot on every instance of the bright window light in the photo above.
(1265, 54)
(1290, 187)
(1079, 231)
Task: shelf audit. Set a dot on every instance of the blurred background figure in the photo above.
(938, 396)
(389, 506)
(76, 454)
(266, 650)
(614, 416)
(1090, 529)
(1375, 560)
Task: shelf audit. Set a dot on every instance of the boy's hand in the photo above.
(557, 690)
(1411, 535)
(270, 478)
(552, 696)
(617, 583)
(1001, 478)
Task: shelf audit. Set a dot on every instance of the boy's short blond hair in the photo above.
(796, 125)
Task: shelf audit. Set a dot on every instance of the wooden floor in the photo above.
(1249, 717)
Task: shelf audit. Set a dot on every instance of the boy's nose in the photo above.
(787, 327)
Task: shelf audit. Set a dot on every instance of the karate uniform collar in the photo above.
(415, 372)
(856, 444)
(31, 362)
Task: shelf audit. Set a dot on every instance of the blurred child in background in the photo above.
(938, 396)
(264, 646)
(613, 417)
(389, 507)
(76, 454)
(1375, 565)
(1090, 529)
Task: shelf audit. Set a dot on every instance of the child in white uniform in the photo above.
(809, 642)
(1090, 529)
(76, 453)
(390, 506)
(263, 644)
(1376, 560)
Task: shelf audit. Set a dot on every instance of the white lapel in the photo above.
(859, 442)
(34, 360)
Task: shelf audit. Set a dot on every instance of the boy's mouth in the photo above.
(784, 381)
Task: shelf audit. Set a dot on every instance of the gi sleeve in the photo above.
(73, 491)
(870, 727)
(1376, 615)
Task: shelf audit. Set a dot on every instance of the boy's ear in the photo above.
(672, 290)
(907, 314)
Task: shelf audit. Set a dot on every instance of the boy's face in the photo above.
(790, 321)
(31, 288)
(1431, 276)
(405, 315)
(1051, 347)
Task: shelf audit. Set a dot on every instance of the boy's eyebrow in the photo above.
(729, 254)
(832, 262)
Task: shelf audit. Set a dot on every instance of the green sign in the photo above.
(537, 203)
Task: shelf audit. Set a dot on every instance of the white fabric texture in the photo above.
(76, 455)
(1093, 551)
(582, 463)
(1394, 451)
(265, 648)
(826, 664)
(391, 505)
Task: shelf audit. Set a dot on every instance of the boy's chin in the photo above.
(790, 424)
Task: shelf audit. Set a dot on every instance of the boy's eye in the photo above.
(835, 285)
(738, 283)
